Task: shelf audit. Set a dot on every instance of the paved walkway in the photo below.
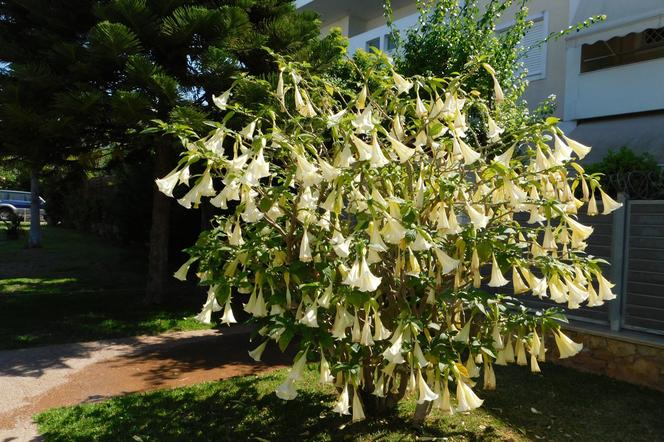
(34, 380)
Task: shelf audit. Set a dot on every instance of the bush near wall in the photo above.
(637, 175)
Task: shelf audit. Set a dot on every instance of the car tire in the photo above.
(6, 214)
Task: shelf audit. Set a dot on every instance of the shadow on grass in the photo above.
(568, 406)
(563, 404)
(28, 320)
(238, 409)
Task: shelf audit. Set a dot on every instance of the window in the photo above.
(389, 43)
(534, 60)
(373, 43)
(618, 51)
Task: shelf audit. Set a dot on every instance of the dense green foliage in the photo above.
(636, 174)
(451, 35)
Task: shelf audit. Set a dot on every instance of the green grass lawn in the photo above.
(78, 287)
(559, 405)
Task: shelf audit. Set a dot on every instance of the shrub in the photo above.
(365, 222)
(638, 175)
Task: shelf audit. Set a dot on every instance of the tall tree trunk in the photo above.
(159, 234)
(34, 236)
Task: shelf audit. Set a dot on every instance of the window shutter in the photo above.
(534, 60)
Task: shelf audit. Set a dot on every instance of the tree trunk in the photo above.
(34, 236)
(421, 412)
(159, 234)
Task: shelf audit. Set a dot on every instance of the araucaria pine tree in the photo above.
(382, 230)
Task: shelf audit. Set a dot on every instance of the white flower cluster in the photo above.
(361, 217)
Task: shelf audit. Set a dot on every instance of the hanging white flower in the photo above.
(221, 101)
(211, 305)
(305, 249)
(566, 346)
(609, 203)
(168, 183)
(306, 172)
(494, 131)
(343, 403)
(425, 394)
(257, 352)
(404, 153)
(401, 83)
(228, 318)
(466, 398)
(579, 149)
(363, 122)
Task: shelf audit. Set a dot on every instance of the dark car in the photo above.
(16, 202)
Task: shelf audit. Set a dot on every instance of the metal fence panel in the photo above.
(643, 301)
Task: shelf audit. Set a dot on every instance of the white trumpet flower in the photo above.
(221, 101)
(497, 278)
(566, 347)
(494, 131)
(168, 183)
(228, 318)
(211, 305)
(181, 273)
(464, 333)
(401, 83)
(393, 232)
(417, 352)
(204, 187)
(256, 353)
(367, 281)
(393, 353)
(609, 203)
(505, 157)
(335, 119)
(305, 249)
(518, 283)
(329, 172)
(310, 317)
(287, 390)
(477, 218)
(420, 109)
(380, 332)
(404, 153)
(605, 287)
(579, 149)
(248, 131)
(562, 152)
(378, 159)
(307, 173)
(444, 403)
(489, 377)
(363, 149)
(363, 122)
(379, 387)
(447, 263)
(365, 335)
(425, 394)
(460, 148)
(325, 374)
(342, 404)
(466, 397)
(358, 412)
(362, 98)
